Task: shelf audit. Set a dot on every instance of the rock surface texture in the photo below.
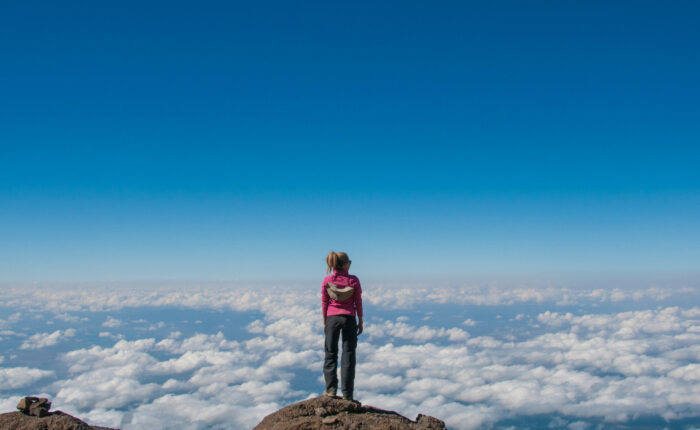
(334, 413)
(53, 421)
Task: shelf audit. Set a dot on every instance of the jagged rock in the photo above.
(337, 414)
(428, 422)
(24, 403)
(35, 406)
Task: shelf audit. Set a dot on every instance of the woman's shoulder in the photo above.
(333, 277)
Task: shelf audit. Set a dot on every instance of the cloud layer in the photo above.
(577, 366)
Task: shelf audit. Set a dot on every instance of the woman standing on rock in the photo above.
(341, 300)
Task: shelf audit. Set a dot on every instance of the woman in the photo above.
(341, 300)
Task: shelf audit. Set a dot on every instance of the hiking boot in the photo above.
(330, 392)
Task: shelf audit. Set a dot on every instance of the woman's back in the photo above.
(341, 301)
(351, 306)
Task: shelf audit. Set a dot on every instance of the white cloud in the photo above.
(12, 319)
(112, 322)
(110, 335)
(291, 359)
(66, 317)
(8, 403)
(689, 372)
(110, 388)
(256, 327)
(578, 425)
(117, 377)
(42, 340)
(591, 368)
(16, 377)
(401, 330)
(192, 411)
(159, 325)
(103, 417)
(298, 302)
(210, 375)
(381, 382)
(11, 333)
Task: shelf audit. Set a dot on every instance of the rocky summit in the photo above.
(34, 414)
(52, 421)
(317, 413)
(335, 413)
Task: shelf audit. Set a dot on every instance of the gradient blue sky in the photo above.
(222, 140)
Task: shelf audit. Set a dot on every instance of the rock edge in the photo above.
(335, 413)
(57, 420)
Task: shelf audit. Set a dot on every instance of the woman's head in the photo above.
(337, 261)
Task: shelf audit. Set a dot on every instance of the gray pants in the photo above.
(335, 325)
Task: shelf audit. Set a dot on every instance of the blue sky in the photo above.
(211, 140)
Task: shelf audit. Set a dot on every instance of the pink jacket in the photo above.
(348, 307)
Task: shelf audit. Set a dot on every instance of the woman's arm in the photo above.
(358, 306)
(325, 299)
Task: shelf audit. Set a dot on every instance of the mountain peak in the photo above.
(336, 413)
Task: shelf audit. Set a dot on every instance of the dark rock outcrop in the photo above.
(334, 413)
(35, 406)
(34, 414)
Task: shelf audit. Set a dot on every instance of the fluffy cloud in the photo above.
(66, 317)
(110, 335)
(203, 369)
(290, 358)
(16, 377)
(109, 388)
(469, 322)
(111, 322)
(402, 330)
(232, 409)
(612, 367)
(6, 323)
(42, 340)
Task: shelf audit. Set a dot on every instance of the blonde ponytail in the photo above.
(336, 261)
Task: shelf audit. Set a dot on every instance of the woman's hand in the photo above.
(359, 327)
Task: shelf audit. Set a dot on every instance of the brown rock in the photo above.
(24, 403)
(36, 406)
(52, 421)
(428, 422)
(40, 408)
(342, 414)
(330, 420)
